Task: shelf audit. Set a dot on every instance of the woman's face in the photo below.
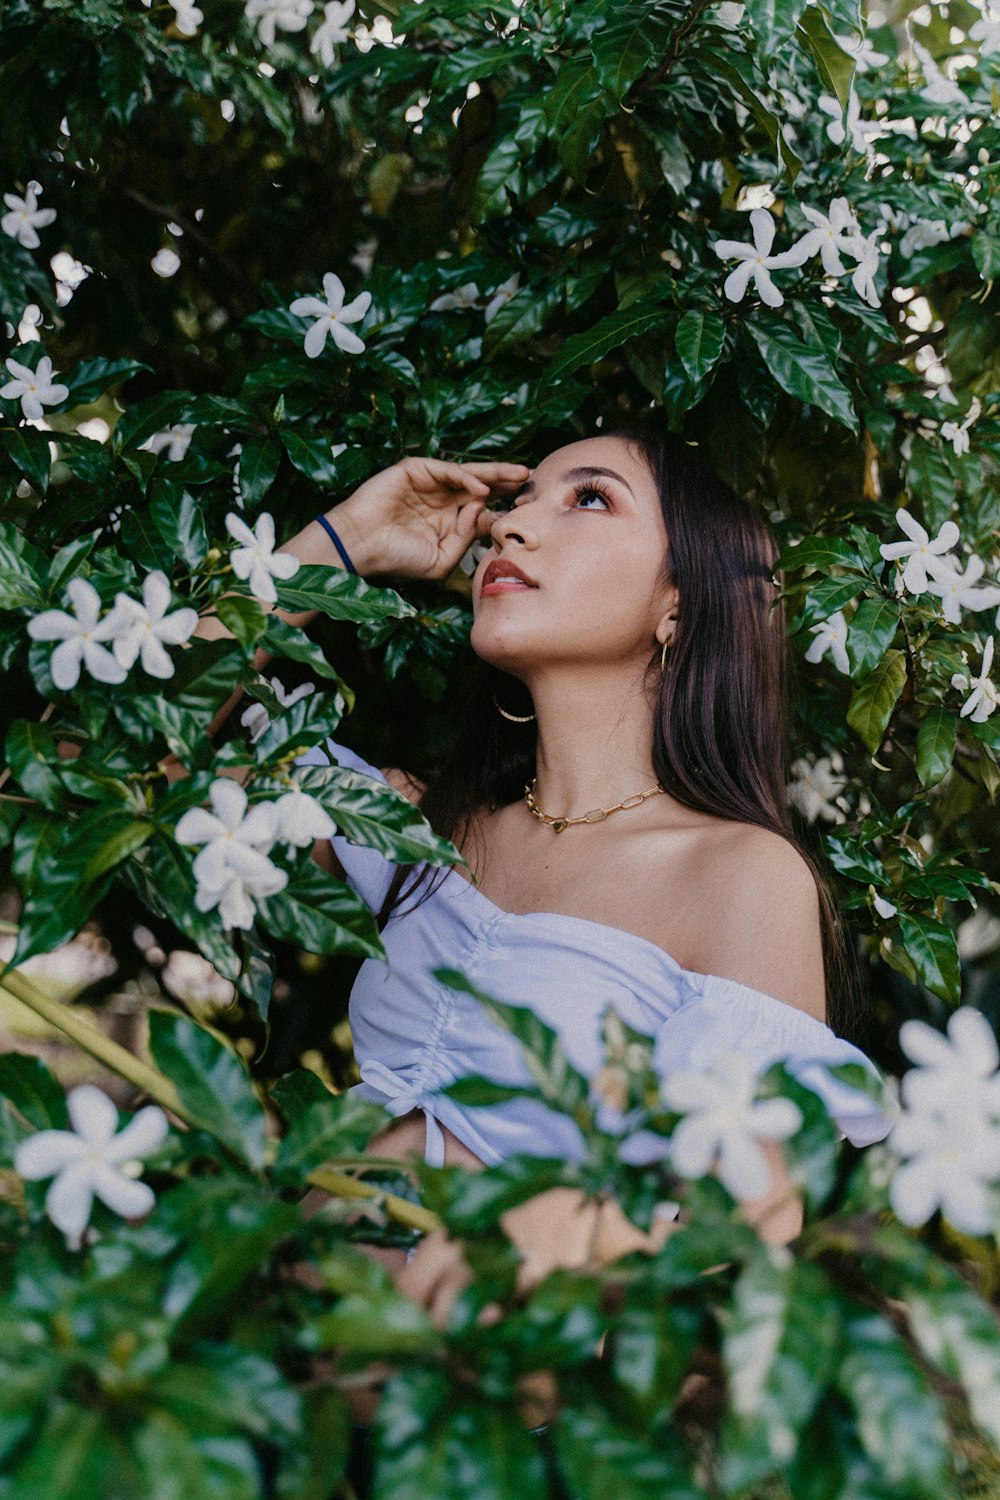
(588, 531)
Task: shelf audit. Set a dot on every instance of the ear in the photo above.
(668, 621)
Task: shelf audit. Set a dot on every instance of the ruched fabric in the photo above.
(414, 1035)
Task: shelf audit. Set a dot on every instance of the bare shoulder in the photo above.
(765, 929)
(401, 781)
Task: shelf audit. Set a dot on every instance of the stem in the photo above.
(149, 1079)
(163, 1090)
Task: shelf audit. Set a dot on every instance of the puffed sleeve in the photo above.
(368, 872)
(730, 1017)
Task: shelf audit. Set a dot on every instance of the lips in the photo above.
(501, 571)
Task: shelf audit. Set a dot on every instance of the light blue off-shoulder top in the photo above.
(414, 1035)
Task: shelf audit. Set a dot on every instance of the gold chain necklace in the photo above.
(596, 814)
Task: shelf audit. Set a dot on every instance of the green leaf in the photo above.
(802, 370)
(176, 514)
(321, 915)
(871, 630)
(230, 1389)
(380, 1326)
(699, 340)
(370, 813)
(774, 22)
(31, 756)
(561, 1086)
(933, 949)
(34, 1092)
(602, 1460)
(29, 451)
(211, 1082)
(958, 1333)
(780, 1348)
(205, 675)
(986, 254)
(22, 567)
(651, 1349)
(610, 333)
(341, 596)
(291, 642)
(827, 596)
(144, 541)
(899, 1420)
(148, 417)
(312, 455)
(247, 619)
(71, 1450)
(332, 1125)
(633, 37)
(260, 460)
(836, 67)
(68, 562)
(819, 552)
(874, 699)
(853, 857)
(91, 378)
(935, 746)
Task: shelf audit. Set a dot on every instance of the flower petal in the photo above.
(346, 340)
(47, 1152)
(240, 531)
(228, 800)
(763, 226)
(65, 664)
(143, 1134)
(738, 280)
(333, 291)
(70, 1198)
(198, 826)
(92, 1114)
(124, 1195)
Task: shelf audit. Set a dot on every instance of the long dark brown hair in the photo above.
(720, 728)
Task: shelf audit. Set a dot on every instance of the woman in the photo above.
(618, 792)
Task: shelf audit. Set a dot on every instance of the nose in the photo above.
(513, 524)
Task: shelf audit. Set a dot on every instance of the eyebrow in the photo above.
(572, 476)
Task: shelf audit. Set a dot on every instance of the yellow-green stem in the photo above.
(162, 1089)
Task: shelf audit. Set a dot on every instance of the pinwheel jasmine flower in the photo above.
(831, 235)
(863, 276)
(145, 629)
(257, 719)
(332, 30)
(187, 17)
(300, 820)
(174, 441)
(830, 635)
(986, 32)
(919, 550)
(860, 131)
(863, 52)
(957, 436)
(814, 787)
(757, 260)
(949, 1124)
(35, 388)
(255, 559)
(984, 697)
(938, 89)
(90, 1161)
(503, 294)
(722, 1123)
(884, 908)
(24, 218)
(232, 870)
(462, 297)
(959, 589)
(290, 15)
(331, 317)
(81, 634)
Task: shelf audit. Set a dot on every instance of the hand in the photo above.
(420, 517)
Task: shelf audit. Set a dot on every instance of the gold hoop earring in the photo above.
(514, 718)
(663, 654)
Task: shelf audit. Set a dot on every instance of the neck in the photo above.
(593, 741)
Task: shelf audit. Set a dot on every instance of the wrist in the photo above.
(315, 545)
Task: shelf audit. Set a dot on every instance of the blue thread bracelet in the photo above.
(335, 539)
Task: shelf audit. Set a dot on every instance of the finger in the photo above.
(498, 474)
(454, 476)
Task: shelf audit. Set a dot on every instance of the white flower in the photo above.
(90, 1161)
(189, 977)
(863, 52)
(938, 89)
(503, 294)
(24, 218)
(173, 441)
(461, 297)
(919, 550)
(814, 787)
(80, 634)
(257, 719)
(187, 17)
(332, 30)
(986, 32)
(232, 869)
(255, 559)
(35, 387)
(830, 635)
(983, 698)
(958, 589)
(922, 235)
(957, 436)
(290, 15)
(884, 908)
(723, 1123)
(331, 317)
(861, 132)
(300, 820)
(144, 629)
(757, 261)
(839, 231)
(949, 1127)
(868, 257)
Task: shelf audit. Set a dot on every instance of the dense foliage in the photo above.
(534, 218)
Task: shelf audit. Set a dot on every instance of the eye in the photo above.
(592, 491)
